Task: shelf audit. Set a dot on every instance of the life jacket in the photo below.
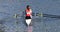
(28, 12)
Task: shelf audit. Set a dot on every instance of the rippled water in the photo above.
(8, 23)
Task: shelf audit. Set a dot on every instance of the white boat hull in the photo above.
(28, 21)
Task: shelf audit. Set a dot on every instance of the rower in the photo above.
(28, 15)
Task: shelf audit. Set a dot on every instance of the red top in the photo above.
(28, 12)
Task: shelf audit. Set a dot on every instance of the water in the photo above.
(8, 23)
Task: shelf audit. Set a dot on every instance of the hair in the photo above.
(27, 6)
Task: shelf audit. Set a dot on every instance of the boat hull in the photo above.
(28, 21)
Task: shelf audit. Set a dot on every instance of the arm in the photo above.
(31, 13)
